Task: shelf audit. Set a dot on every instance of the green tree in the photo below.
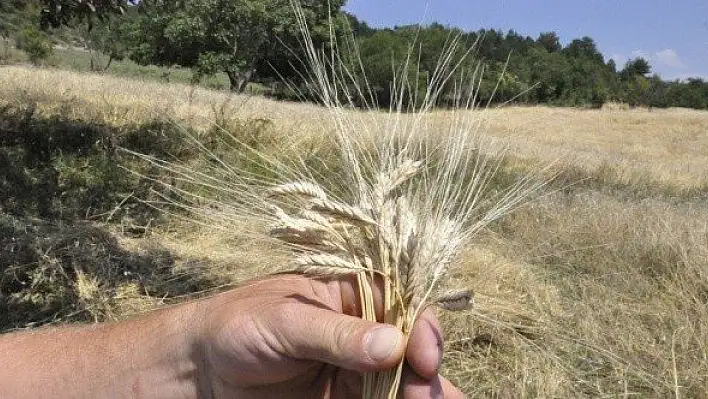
(637, 90)
(549, 72)
(259, 39)
(379, 55)
(635, 67)
(231, 36)
(107, 39)
(584, 47)
(612, 65)
(550, 42)
(411, 57)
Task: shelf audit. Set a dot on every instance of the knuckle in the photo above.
(340, 333)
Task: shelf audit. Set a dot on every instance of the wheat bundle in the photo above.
(412, 200)
(399, 209)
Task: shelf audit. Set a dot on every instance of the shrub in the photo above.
(36, 44)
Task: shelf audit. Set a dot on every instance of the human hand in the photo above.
(296, 337)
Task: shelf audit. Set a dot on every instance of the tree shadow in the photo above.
(61, 181)
(78, 273)
(53, 167)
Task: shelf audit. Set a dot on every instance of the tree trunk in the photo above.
(110, 60)
(240, 80)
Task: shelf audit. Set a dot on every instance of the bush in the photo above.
(36, 44)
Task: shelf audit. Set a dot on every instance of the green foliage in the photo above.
(550, 42)
(636, 67)
(56, 13)
(380, 53)
(247, 41)
(17, 14)
(516, 68)
(35, 43)
(522, 69)
(407, 56)
(636, 91)
(693, 93)
(217, 35)
(584, 47)
(107, 39)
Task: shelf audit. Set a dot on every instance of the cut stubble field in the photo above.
(597, 287)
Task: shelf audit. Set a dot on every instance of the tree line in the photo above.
(259, 41)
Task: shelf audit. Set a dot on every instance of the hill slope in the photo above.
(596, 288)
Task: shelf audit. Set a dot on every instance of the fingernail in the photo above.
(381, 342)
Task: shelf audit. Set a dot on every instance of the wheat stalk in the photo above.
(413, 202)
(406, 201)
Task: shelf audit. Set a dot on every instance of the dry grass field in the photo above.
(597, 287)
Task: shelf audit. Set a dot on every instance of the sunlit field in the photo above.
(598, 286)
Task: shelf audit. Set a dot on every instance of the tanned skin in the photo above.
(283, 337)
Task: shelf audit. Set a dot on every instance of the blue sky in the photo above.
(672, 35)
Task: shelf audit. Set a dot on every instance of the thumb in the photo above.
(345, 341)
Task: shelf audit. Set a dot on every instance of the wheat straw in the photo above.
(413, 201)
(406, 200)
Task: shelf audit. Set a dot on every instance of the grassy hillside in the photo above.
(598, 287)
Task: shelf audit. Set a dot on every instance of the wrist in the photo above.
(157, 353)
(149, 356)
(203, 330)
